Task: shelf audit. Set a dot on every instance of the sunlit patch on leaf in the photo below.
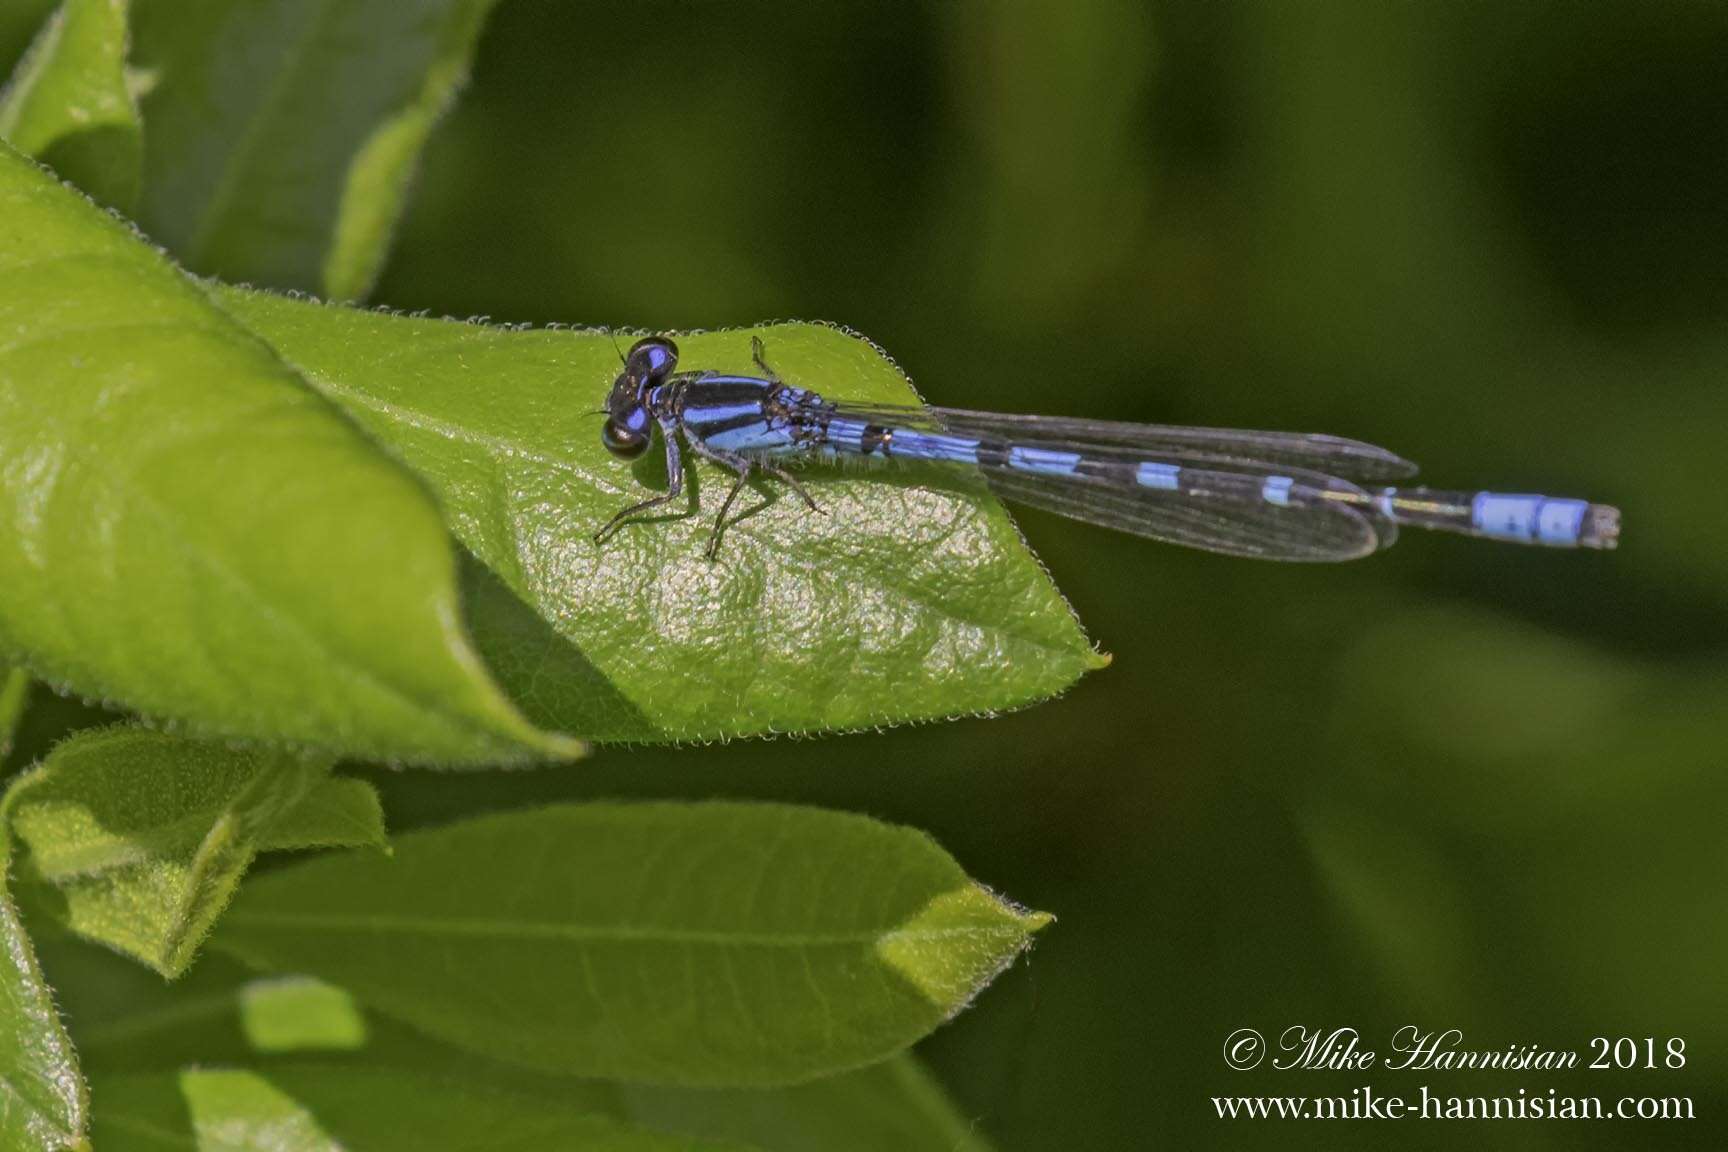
(296, 1013)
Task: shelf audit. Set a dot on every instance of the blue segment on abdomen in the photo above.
(1163, 476)
(846, 435)
(1043, 460)
(1561, 521)
(905, 444)
(1527, 517)
(1508, 516)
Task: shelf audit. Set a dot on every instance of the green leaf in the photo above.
(70, 104)
(283, 135)
(894, 1104)
(912, 598)
(187, 529)
(719, 944)
(14, 695)
(45, 1100)
(376, 190)
(339, 812)
(329, 1108)
(123, 1021)
(145, 836)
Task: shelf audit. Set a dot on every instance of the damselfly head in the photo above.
(628, 428)
(650, 361)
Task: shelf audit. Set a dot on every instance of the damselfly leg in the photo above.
(759, 355)
(674, 489)
(743, 467)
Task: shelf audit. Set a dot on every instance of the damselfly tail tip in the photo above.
(1601, 527)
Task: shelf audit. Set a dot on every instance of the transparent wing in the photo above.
(1177, 485)
(1315, 518)
(1333, 455)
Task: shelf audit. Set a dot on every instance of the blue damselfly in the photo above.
(1271, 495)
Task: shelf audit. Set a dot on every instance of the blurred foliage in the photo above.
(1456, 786)
(283, 135)
(70, 105)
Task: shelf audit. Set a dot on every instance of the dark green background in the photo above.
(1458, 785)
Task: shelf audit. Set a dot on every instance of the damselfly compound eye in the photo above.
(623, 442)
(651, 358)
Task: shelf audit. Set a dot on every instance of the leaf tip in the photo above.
(958, 943)
(561, 747)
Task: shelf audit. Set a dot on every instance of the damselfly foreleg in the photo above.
(674, 488)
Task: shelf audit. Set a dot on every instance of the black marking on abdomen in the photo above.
(1118, 472)
(729, 424)
(876, 439)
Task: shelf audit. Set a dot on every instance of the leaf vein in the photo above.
(524, 930)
